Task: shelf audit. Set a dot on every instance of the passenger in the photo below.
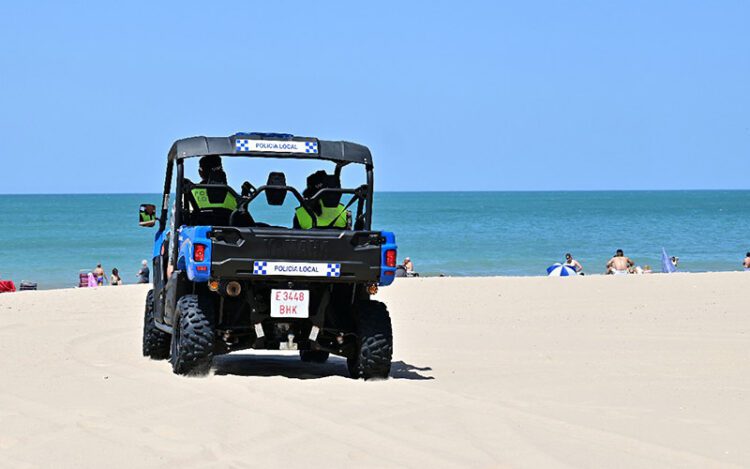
(619, 264)
(328, 211)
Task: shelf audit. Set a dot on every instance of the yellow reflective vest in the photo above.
(333, 217)
(201, 199)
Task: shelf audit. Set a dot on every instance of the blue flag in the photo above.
(666, 263)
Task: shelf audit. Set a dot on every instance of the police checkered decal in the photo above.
(259, 268)
(333, 270)
(242, 145)
(311, 147)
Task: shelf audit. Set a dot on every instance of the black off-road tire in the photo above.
(156, 343)
(193, 336)
(313, 356)
(374, 351)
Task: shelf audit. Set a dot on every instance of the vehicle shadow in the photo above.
(292, 367)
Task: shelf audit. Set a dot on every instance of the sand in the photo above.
(636, 371)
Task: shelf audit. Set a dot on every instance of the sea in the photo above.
(48, 239)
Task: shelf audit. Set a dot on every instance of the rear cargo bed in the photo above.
(235, 251)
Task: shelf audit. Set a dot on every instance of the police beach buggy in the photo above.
(224, 281)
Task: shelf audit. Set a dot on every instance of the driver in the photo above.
(211, 172)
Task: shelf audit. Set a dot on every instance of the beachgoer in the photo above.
(675, 260)
(101, 277)
(408, 265)
(746, 263)
(115, 279)
(647, 269)
(619, 264)
(570, 262)
(143, 273)
(91, 280)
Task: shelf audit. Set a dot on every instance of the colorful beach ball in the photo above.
(560, 270)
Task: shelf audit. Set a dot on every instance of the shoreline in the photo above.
(491, 276)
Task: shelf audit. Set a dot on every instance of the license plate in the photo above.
(290, 303)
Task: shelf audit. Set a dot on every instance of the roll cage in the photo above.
(271, 145)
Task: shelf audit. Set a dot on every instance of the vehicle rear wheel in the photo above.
(193, 336)
(372, 357)
(314, 356)
(155, 341)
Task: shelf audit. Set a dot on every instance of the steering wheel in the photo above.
(248, 189)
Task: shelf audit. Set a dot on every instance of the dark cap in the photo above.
(210, 162)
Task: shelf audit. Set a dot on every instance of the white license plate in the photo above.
(290, 303)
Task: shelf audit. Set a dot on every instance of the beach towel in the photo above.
(7, 286)
(92, 280)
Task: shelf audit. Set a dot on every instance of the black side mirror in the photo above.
(276, 196)
(147, 215)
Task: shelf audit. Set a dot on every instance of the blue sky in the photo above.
(449, 96)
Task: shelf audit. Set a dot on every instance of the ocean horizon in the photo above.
(48, 238)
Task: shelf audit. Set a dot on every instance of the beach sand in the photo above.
(635, 371)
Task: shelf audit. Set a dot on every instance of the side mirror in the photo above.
(147, 215)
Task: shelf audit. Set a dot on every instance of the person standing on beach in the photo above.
(619, 264)
(143, 273)
(746, 263)
(99, 274)
(115, 279)
(570, 262)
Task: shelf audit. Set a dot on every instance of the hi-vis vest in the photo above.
(326, 217)
(201, 199)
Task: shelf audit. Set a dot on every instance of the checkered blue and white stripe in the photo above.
(242, 145)
(311, 147)
(333, 270)
(259, 268)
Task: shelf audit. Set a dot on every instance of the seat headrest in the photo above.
(276, 196)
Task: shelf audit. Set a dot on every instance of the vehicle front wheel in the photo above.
(372, 356)
(193, 336)
(155, 341)
(313, 356)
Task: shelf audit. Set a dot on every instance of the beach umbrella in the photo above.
(560, 270)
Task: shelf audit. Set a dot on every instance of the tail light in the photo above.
(390, 258)
(199, 252)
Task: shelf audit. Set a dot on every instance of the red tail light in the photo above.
(390, 258)
(199, 252)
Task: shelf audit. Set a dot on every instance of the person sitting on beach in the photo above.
(115, 279)
(746, 263)
(143, 273)
(647, 269)
(619, 264)
(570, 262)
(408, 265)
(99, 275)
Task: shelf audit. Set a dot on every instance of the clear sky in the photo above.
(448, 95)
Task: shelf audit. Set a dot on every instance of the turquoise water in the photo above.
(48, 238)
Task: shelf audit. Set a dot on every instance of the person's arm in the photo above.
(578, 266)
(630, 262)
(611, 261)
